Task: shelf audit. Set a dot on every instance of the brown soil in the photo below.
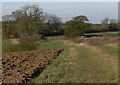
(20, 67)
(96, 40)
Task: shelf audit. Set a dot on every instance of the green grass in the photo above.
(53, 42)
(50, 45)
(57, 70)
(7, 46)
(87, 67)
(55, 38)
(95, 69)
(110, 49)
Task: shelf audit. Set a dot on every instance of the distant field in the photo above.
(53, 42)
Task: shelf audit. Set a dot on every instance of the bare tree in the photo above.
(29, 22)
(53, 24)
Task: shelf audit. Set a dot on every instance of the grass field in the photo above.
(7, 46)
(53, 42)
(78, 63)
(81, 64)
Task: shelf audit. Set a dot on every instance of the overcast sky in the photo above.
(95, 11)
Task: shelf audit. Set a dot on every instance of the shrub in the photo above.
(76, 27)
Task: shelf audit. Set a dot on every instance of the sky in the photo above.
(59, 0)
(95, 11)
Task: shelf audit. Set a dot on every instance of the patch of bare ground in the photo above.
(96, 40)
(14, 41)
(73, 55)
(68, 42)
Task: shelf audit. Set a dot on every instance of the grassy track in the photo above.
(81, 64)
(98, 65)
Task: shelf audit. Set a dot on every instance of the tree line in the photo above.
(31, 23)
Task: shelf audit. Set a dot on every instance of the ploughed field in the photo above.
(20, 67)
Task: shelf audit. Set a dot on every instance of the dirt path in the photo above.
(73, 53)
(109, 59)
(90, 64)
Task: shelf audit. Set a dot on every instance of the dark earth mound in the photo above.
(20, 67)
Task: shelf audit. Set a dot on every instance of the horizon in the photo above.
(66, 10)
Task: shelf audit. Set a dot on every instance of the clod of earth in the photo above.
(20, 67)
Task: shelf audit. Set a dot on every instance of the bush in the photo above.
(76, 27)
